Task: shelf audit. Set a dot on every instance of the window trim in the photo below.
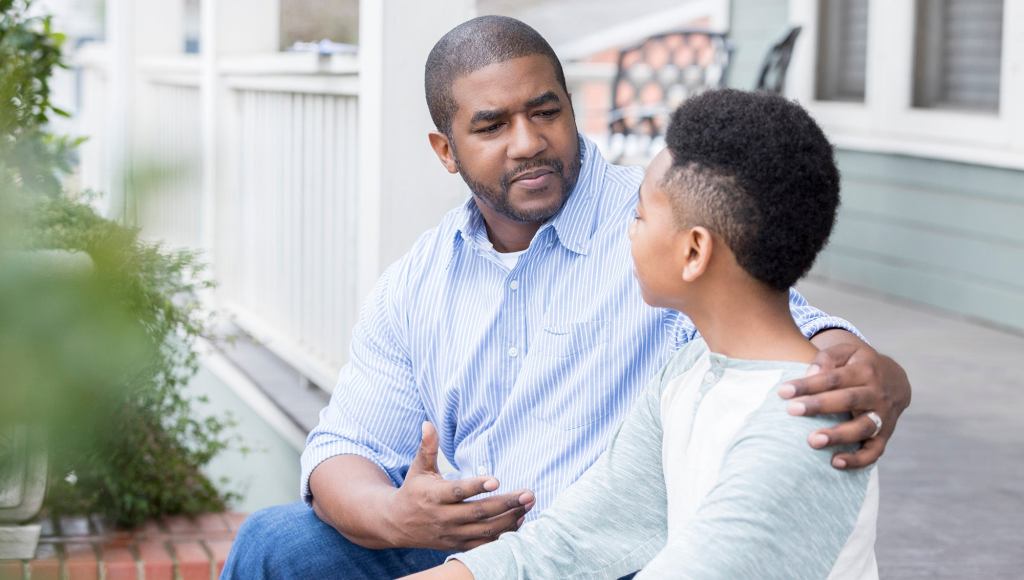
(887, 121)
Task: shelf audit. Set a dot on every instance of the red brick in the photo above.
(80, 562)
(180, 525)
(46, 565)
(220, 550)
(213, 523)
(193, 561)
(235, 520)
(119, 563)
(157, 563)
(10, 570)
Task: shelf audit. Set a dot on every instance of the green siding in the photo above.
(946, 234)
(755, 26)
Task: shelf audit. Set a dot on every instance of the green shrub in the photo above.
(135, 451)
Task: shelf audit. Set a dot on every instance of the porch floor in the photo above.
(951, 492)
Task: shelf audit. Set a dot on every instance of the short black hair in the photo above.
(757, 170)
(471, 46)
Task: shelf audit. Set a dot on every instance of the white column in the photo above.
(227, 27)
(403, 188)
(121, 48)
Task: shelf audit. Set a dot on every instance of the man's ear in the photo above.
(697, 245)
(443, 149)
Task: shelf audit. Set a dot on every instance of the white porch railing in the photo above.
(285, 233)
(165, 161)
(284, 245)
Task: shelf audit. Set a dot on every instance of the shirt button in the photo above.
(514, 284)
(513, 352)
(481, 470)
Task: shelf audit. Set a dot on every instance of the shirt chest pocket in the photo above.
(569, 390)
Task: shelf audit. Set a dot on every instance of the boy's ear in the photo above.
(444, 150)
(697, 245)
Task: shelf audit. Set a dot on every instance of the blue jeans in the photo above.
(289, 541)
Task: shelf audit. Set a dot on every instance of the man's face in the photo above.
(514, 139)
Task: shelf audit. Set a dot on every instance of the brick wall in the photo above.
(88, 549)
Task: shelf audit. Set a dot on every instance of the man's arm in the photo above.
(355, 497)
(356, 464)
(848, 376)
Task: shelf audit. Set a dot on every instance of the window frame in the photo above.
(887, 121)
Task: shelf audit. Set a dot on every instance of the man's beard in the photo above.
(499, 199)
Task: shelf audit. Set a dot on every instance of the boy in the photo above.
(708, 477)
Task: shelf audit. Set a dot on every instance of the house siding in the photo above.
(946, 234)
(941, 233)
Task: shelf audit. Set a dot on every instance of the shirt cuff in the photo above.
(822, 323)
(316, 452)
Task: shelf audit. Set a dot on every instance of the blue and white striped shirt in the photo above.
(525, 372)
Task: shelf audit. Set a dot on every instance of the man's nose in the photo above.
(527, 141)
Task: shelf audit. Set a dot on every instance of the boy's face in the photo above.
(656, 241)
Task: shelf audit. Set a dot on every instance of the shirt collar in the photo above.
(574, 224)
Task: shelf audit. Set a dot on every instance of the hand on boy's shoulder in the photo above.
(850, 377)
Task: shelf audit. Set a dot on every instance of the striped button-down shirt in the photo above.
(525, 371)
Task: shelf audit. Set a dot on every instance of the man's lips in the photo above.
(534, 179)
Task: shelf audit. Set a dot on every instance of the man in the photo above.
(517, 328)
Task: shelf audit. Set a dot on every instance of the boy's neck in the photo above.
(750, 321)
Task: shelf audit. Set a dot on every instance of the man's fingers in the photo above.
(462, 489)
(426, 457)
(868, 454)
(852, 400)
(856, 430)
(485, 509)
(846, 376)
(491, 528)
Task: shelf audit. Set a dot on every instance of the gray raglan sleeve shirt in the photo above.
(779, 510)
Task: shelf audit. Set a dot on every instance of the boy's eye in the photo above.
(636, 215)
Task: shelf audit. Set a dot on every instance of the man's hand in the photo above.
(430, 512)
(851, 377)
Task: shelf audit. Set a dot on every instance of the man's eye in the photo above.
(488, 129)
(549, 112)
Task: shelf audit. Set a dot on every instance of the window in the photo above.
(316, 20)
(843, 41)
(958, 48)
(929, 78)
(191, 25)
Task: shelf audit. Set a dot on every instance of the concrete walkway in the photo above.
(952, 479)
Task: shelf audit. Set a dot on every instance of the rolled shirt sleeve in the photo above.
(375, 411)
(812, 321)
